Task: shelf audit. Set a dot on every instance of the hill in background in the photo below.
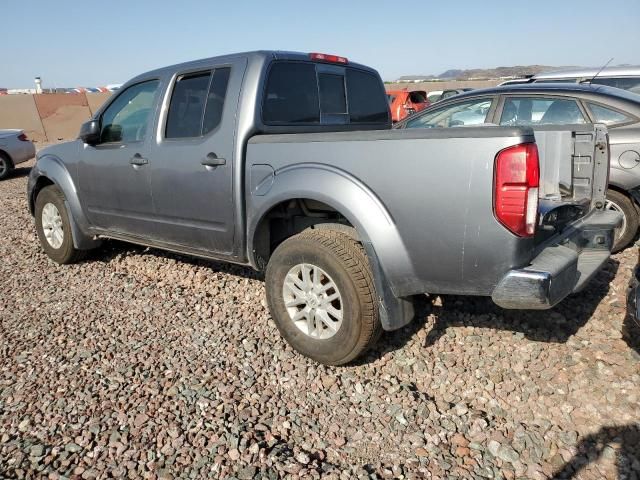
(483, 73)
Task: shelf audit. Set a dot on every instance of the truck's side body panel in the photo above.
(422, 198)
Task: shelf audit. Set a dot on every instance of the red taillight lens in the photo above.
(323, 57)
(23, 137)
(517, 177)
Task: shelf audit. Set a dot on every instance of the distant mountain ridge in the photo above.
(484, 73)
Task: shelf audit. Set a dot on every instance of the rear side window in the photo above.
(297, 93)
(196, 103)
(292, 94)
(540, 111)
(215, 99)
(606, 115)
(366, 98)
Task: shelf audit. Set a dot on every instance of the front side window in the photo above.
(607, 115)
(472, 112)
(196, 103)
(540, 111)
(127, 118)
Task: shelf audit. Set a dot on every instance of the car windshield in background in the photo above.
(472, 112)
(297, 94)
(541, 111)
(391, 98)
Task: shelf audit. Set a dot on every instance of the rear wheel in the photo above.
(619, 202)
(5, 165)
(321, 295)
(54, 228)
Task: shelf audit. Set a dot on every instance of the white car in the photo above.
(15, 148)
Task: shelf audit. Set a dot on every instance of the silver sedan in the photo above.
(15, 148)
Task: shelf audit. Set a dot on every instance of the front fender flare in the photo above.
(53, 169)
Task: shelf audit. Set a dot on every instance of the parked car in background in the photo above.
(558, 104)
(437, 95)
(434, 95)
(626, 78)
(404, 102)
(287, 162)
(15, 148)
(453, 92)
(516, 81)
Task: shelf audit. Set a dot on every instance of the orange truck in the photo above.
(403, 103)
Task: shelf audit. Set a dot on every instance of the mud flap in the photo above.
(395, 312)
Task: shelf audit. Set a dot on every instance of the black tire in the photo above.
(624, 235)
(6, 165)
(344, 260)
(66, 252)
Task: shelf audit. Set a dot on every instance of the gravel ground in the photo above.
(142, 364)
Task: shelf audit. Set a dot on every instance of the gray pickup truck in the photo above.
(286, 162)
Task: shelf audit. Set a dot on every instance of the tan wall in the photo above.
(431, 86)
(62, 114)
(96, 100)
(19, 111)
(49, 117)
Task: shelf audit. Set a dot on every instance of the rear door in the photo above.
(193, 158)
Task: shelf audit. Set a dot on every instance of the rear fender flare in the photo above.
(374, 224)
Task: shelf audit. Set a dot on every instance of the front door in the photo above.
(114, 177)
(193, 159)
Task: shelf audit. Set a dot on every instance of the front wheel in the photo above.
(53, 226)
(621, 203)
(321, 295)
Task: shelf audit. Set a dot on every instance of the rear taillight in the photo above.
(323, 57)
(515, 199)
(23, 137)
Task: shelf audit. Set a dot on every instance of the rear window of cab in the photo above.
(306, 93)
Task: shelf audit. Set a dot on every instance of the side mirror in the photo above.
(90, 132)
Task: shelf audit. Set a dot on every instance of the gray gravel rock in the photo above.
(142, 364)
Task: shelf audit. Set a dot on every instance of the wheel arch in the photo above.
(341, 200)
(50, 170)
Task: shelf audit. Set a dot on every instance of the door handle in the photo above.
(212, 160)
(138, 160)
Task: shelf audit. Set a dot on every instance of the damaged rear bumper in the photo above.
(565, 266)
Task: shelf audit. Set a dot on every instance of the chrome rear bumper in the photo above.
(565, 266)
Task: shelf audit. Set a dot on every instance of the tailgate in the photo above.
(575, 233)
(574, 171)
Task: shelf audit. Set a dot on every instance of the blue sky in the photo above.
(81, 43)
